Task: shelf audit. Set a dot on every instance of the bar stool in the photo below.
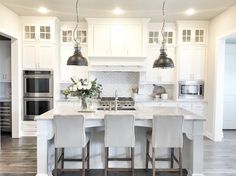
(167, 132)
(119, 132)
(70, 133)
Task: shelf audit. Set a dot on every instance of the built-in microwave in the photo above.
(36, 106)
(191, 89)
(38, 83)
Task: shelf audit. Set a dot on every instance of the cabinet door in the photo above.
(134, 40)
(45, 33)
(46, 56)
(117, 40)
(186, 35)
(101, 40)
(29, 32)
(192, 63)
(5, 61)
(29, 55)
(199, 36)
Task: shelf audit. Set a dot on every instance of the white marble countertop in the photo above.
(5, 99)
(142, 113)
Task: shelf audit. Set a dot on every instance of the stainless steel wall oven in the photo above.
(38, 93)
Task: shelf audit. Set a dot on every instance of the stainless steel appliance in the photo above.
(38, 83)
(123, 103)
(36, 106)
(38, 93)
(191, 89)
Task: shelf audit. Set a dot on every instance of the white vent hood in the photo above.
(122, 64)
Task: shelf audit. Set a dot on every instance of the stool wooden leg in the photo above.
(172, 158)
(147, 153)
(88, 154)
(132, 160)
(62, 159)
(55, 169)
(106, 161)
(180, 162)
(153, 162)
(83, 161)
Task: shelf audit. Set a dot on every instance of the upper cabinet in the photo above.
(67, 36)
(192, 50)
(39, 42)
(38, 32)
(117, 38)
(192, 32)
(5, 61)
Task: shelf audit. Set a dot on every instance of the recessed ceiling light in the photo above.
(118, 11)
(190, 12)
(43, 10)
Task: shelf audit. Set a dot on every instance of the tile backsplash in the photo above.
(123, 82)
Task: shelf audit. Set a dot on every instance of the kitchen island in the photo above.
(94, 122)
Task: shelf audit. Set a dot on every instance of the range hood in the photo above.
(122, 64)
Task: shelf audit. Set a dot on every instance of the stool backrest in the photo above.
(69, 131)
(119, 130)
(167, 131)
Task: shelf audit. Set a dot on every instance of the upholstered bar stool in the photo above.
(70, 133)
(119, 132)
(167, 132)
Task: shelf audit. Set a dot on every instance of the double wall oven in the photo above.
(38, 93)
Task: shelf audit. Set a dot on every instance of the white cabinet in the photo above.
(192, 62)
(39, 42)
(192, 35)
(100, 45)
(40, 32)
(67, 35)
(38, 55)
(117, 39)
(5, 61)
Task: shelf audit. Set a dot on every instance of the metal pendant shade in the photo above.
(77, 59)
(163, 61)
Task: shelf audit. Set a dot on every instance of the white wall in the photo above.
(10, 26)
(219, 28)
(230, 87)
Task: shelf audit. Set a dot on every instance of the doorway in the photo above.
(229, 107)
(5, 86)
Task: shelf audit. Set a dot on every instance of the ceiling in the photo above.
(65, 9)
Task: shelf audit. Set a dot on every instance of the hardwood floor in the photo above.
(18, 158)
(220, 157)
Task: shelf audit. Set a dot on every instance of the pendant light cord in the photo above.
(77, 24)
(163, 25)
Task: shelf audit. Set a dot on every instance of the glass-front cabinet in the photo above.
(33, 32)
(155, 37)
(193, 36)
(67, 36)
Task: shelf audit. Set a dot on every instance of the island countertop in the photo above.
(141, 112)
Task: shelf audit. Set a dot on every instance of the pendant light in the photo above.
(77, 59)
(163, 61)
